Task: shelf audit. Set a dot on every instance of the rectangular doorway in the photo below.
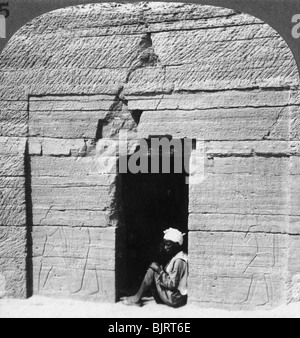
(152, 203)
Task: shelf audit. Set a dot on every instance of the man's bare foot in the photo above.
(131, 301)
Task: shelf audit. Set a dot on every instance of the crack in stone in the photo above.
(279, 118)
(283, 233)
(118, 112)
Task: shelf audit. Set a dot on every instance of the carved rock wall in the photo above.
(70, 80)
(73, 189)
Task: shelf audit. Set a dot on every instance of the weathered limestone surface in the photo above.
(12, 201)
(68, 169)
(212, 100)
(270, 166)
(13, 118)
(13, 277)
(74, 211)
(74, 262)
(241, 194)
(257, 260)
(71, 54)
(72, 79)
(240, 223)
(13, 232)
(227, 124)
(248, 148)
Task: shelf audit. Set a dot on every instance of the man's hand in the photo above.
(155, 267)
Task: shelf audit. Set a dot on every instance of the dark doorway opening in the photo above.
(152, 203)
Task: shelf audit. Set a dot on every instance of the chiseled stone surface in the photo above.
(69, 83)
(13, 232)
(74, 262)
(220, 124)
(13, 254)
(257, 260)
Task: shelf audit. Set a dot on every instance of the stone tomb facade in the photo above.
(72, 79)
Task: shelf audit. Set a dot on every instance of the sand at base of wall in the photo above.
(42, 307)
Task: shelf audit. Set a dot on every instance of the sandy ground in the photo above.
(41, 307)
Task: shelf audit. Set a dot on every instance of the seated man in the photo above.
(169, 284)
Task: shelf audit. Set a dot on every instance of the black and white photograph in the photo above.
(149, 161)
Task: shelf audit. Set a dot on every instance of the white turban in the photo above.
(174, 235)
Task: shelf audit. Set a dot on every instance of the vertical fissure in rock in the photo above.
(119, 116)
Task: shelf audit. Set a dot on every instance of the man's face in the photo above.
(170, 247)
